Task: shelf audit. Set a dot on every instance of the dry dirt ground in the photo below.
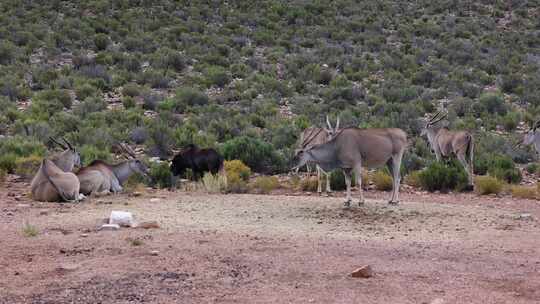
(271, 249)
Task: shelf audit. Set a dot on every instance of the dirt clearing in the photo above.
(272, 249)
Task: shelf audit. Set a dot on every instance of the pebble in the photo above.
(154, 200)
(154, 252)
(109, 227)
(84, 235)
(67, 267)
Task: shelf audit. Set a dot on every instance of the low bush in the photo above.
(487, 185)
(237, 167)
(309, 184)
(265, 184)
(131, 90)
(337, 180)
(27, 166)
(413, 179)
(214, 183)
(90, 153)
(382, 181)
(443, 177)
(128, 102)
(235, 184)
(160, 175)
(3, 174)
(503, 168)
(533, 168)
(524, 192)
(255, 153)
(29, 230)
(8, 162)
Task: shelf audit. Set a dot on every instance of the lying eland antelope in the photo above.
(315, 136)
(101, 178)
(352, 148)
(51, 184)
(532, 137)
(445, 143)
(67, 159)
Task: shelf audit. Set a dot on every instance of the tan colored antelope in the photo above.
(315, 136)
(446, 143)
(352, 148)
(68, 159)
(51, 184)
(101, 178)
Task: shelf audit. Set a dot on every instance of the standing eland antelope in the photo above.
(351, 148)
(101, 178)
(316, 136)
(445, 143)
(532, 137)
(51, 184)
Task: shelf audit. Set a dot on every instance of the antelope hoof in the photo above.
(393, 203)
(346, 204)
(469, 188)
(361, 203)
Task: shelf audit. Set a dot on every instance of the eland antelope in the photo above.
(532, 137)
(445, 143)
(101, 178)
(316, 136)
(351, 148)
(51, 184)
(67, 159)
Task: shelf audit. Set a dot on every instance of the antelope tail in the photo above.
(44, 171)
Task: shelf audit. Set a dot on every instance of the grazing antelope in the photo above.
(533, 137)
(315, 136)
(352, 148)
(67, 159)
(51, 184)
(445, 143)
(100, 178)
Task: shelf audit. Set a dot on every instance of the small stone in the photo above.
(122, 218)
(43, 213)
(525, 216)
(437, 301)
(363, 272)
(154, 200)
(154, 252)
(109, 227)
(84, 235)
(136, 194)
(149, 225)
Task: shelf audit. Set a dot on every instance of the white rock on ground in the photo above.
(109, 227)
(122, 218)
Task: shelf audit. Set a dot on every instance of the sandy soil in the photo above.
(271, 249)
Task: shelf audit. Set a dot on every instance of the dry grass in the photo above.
(29, 230)
(382, 181)
(214, 183)
(265, 184)
(488, 185)
(524, 192)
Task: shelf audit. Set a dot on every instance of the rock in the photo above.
(84, 235)
(363, 272)
(136, 193)
(525, 216)
(149, 225)
(437, 301)
(109, 227)
(154, 252)
(122, 218)
(154, 200)
(43, 213)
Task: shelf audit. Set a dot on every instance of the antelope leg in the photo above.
(358, 172)
(347, 173)
(328, 190)
(465, 164)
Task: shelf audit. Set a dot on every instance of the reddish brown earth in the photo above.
(271, 249)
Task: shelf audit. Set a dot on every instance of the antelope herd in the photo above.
(348, 149)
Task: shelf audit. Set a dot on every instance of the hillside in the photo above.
(163, 74)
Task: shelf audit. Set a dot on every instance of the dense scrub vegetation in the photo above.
(247, 77)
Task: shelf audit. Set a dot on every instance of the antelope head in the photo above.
(70, 153)
(332, 131)
(432, 121)
(134, 164)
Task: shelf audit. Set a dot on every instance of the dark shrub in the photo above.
(131, 90)
(101, 41)
(443, 177)
(160, 175)
(190, 97)
(151, 100)
(493, 103)
(139, 135)
(217, 76)
(503, 168)
(255, 153)
(337, 181)
(90, 105)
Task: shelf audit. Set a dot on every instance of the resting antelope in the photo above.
(100, 178)
(67, 159)
(51, 184)
(315, 136)
(352, 148)
(445, 143)
(533, 137)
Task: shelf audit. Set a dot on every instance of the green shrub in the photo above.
(533, 168)
(90, 153)
(443, 177)
(265, 184)
(128, 102)
(214, 183)
(487, 185)
(160, 175)
(101, 41)
(90, 105)
(255, 153)
(413, 179)
(8, 162)
(503, 168)
(84, 91)
(21, 146)
(27, 166)
(493, 103)
(131, 90)
(217, 76)
(189, 97)
(382, 181)
(237, 167)
(337, 180)
(3, 174)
